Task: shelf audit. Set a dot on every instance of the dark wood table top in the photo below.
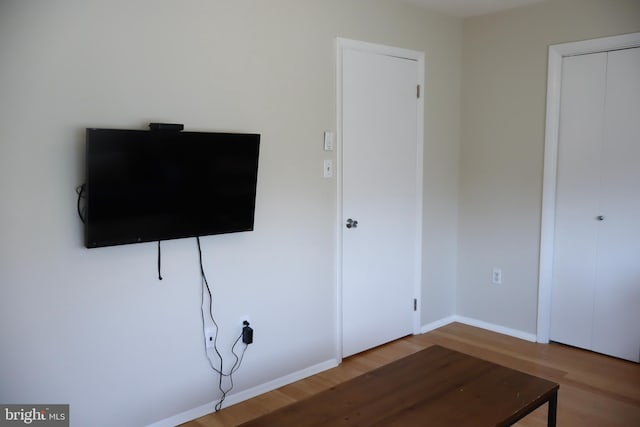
(435, 387)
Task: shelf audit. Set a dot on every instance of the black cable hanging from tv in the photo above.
(159, 262)
(82, 210)
(205, 288)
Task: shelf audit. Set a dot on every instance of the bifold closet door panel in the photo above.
(577, 205)
(616, 322)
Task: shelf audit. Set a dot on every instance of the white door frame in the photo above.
(343, 44)
(547, 230)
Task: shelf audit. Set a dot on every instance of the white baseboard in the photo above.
(232, 399)
(438, 324)
(479, 324)
(496, 328)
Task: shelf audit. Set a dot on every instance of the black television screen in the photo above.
(153, 185)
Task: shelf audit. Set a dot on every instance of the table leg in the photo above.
(553, 409)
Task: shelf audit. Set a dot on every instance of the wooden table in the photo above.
(433, 387)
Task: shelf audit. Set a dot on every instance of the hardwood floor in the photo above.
(595, 390)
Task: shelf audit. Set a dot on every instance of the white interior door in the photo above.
(381, 187)
(596, 274)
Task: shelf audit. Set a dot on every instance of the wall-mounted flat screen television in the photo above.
(154, 185)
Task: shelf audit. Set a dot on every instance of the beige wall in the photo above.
(95, 328)
(501, 162)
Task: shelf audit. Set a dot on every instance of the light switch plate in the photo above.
(328, 141)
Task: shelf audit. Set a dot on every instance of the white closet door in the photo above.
(616, 323)
(577, 192)
(596, 277)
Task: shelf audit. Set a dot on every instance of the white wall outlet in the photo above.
(328, 168)
(496, 276)
(209, 336)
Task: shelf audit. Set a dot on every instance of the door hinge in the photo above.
(415, 304)
(418, 91)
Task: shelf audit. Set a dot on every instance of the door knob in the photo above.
(600, 218)
(352, 223)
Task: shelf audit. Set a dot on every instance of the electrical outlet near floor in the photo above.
(496, 276)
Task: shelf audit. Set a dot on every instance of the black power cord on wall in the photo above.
(246, 336)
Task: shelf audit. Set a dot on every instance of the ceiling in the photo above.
(467, 8)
